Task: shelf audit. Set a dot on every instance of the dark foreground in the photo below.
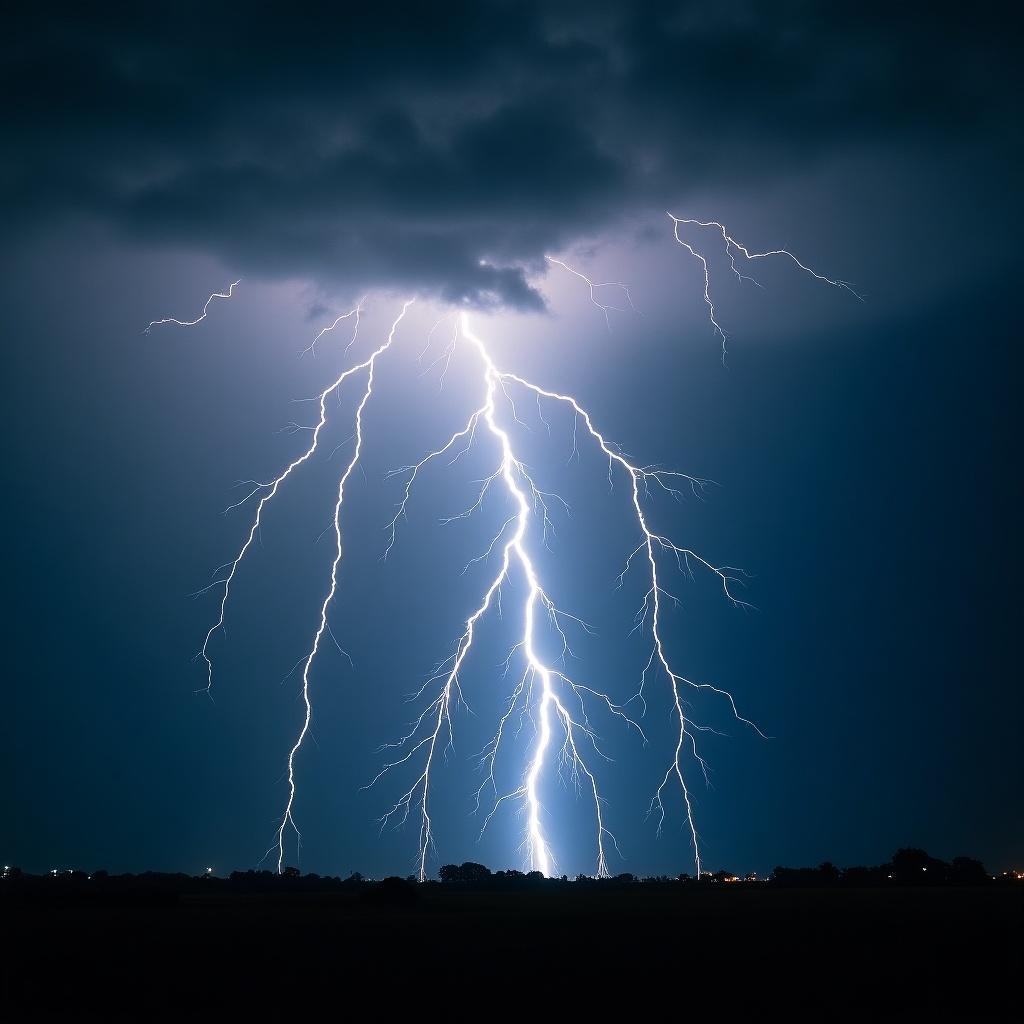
(643, 950)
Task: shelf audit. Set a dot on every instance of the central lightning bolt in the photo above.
(433, 728)
(551, 709)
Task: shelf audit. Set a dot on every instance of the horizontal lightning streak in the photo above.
(202, 316)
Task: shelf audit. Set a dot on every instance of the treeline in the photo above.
(907, 867)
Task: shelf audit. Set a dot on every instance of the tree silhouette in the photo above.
(467, 872)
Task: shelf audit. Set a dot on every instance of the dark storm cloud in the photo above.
(446, 148)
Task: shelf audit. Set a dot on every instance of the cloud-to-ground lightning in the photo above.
(550, 705)
(556, 689)
(369, 365)
(563, 741)
(201, 317)
(271, 489)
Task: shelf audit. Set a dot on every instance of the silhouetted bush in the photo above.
(862, 876)
(468, 872)
(914, 867)
(967, 871)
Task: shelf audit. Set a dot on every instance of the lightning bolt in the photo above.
(593, 286)
(201, 317)
(311, 348)
(369, 365)
(433, 730)
(551, 708)
(268, 491)
(558, 706)
(732, 249)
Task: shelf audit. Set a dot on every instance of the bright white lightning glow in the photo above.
(555, 703)
(435, 721)
(438, 713)
(202, 316)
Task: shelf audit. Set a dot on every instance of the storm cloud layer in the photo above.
(447, 148)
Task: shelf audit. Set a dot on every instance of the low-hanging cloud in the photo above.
(446, 148)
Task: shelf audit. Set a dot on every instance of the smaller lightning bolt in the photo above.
(369, 365)
(605, 307)
(732, 248)
(269, 489)
(202, 316)
(357, 312)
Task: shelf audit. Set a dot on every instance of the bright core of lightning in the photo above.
(558, 705)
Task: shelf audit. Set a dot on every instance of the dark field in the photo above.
(658, 950)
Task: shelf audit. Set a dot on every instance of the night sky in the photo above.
(865, 454)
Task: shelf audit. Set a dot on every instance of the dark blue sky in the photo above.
(866, 454)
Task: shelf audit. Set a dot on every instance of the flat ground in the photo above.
(817, 954)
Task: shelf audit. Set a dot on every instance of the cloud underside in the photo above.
(446, 148)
